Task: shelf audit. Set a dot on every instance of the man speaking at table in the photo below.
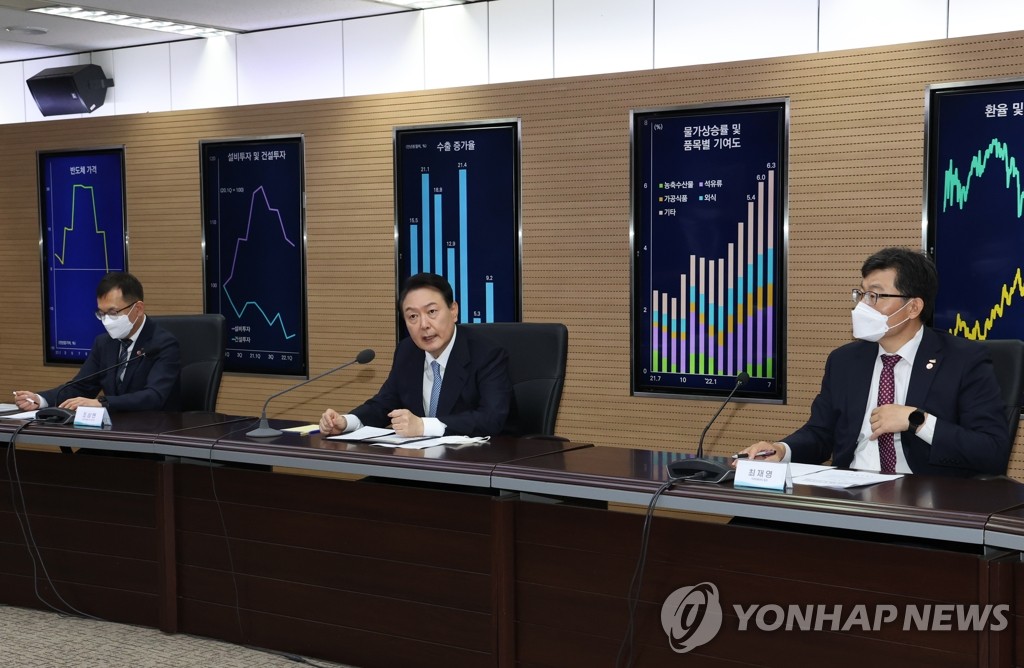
(443, 380)
(905, 398)
(146, 378)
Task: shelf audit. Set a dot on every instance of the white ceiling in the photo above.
(66, 36)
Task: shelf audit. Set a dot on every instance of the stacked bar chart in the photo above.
(254, 262)
(975, 208)
(82, 215)
(708, 233)
(457, 214)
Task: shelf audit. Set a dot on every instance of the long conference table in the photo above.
(515, 552)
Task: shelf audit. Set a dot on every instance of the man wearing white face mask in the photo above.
(904, 398)
(144, 359)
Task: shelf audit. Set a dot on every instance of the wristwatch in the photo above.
(916, 419)
(103, 401)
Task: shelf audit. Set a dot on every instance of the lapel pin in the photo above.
(931, 363)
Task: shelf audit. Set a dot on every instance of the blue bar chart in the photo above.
(254, 263)
(457, 214)
(708, 239)
(83, 233)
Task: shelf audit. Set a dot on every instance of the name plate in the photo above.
(89, 416)
(763, 475)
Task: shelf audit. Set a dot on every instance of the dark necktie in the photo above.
(887, 395)
(122, 359)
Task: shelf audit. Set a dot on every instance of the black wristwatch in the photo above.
(916, 419)
(103, 401)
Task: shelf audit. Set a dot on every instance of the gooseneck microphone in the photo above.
(698, 468)
(57, 415)
(266, 431)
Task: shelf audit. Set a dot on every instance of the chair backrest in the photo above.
(202, 342)
(537, 353)
(1008, 359)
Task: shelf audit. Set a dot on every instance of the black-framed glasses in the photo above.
(871, 298)
(114, 311)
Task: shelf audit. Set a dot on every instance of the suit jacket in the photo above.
(960, 390)
(151, 383)
(475, 393)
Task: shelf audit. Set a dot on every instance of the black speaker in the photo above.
(77, 89)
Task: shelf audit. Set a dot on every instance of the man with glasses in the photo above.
(904, 398)
(143, 359)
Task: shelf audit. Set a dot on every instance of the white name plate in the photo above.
(89, 416)
(761, 474)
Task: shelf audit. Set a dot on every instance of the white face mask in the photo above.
(118, 326)
(869, 324)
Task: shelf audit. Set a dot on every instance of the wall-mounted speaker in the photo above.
(77, 89)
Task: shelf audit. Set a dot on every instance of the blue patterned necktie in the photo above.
(122, 359)
(435, 389)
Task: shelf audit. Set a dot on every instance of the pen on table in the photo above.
(762, 453)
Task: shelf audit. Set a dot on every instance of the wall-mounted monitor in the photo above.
(457, 213)
(974, 206)
(83, 235)
(708, 247)
(254, 251)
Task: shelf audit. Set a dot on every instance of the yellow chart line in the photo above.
(96, 223)
(979, 330)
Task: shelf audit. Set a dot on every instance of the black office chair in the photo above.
(1008, 359)
(537, 353)
(202, 340)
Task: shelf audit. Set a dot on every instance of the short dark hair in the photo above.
(915, 274)
(131, 288)
(427, 280)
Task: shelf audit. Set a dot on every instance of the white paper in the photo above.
(8, 407)
(27, 415)
(843, 478)
(362, 434)
(421, 444)
(797, 470)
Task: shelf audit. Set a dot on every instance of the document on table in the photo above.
(843, 478)
(798, 470)
(363, 434)
(27, 415)
(4, 408)
(421, 443)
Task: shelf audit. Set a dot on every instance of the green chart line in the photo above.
(96, 223)
(956, 191)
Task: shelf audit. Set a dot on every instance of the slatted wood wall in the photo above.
(855, 185)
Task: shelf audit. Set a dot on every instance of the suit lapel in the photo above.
(929, 356)
(860, 379)
(455, 375)
(140, 347)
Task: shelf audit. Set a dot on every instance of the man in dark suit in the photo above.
(918, 401)
(443, 380)
(148, 377)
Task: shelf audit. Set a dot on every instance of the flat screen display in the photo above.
(457, 214)
(974, 213)
(83, 234)
(708, 233)
(254, 251)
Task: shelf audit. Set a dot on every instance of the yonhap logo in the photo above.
(691, 616)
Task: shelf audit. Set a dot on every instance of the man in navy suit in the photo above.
(945, 415)
(443, 380)
(148, 378)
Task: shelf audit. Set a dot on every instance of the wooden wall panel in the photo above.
(855, 184)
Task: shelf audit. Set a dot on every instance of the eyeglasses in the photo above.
(114, 311)
(871, 298)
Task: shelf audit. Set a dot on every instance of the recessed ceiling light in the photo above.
(131, 21)
(26, 30)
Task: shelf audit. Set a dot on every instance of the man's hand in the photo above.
(890, 419)
(406, 423)
(331, 423)
(74, 402)
(25, 400)
(778, 451)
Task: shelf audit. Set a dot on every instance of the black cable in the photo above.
(18, 491)
(626, 648)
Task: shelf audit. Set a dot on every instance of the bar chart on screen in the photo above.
(708, 217)
(457, 214)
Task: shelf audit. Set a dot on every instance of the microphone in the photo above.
(266, 431)
(57, 415)
(698, 468)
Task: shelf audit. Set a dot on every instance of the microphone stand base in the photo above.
(702, 469)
